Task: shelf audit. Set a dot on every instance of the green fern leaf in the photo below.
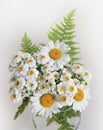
(62, 117)
(27, 45)
(22, 107)
(65, 32)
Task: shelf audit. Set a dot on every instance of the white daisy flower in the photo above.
(42, 58)
(31, 84)
(51, 84)
(16, 61)
(31, 62)
(32, 73)
(57, 53)
(76, 82)
(19, 83)
(61, 88)
(55, 75)
(81, 99)
(42, 86)
(71, 89)
(16, 96)
(17, 57)
(44, 104)
(67, 71)
(85, 84)
(21, 70)
(77, 68)
(86, 75)
(65, 100)
(40, 78)
(48, 75)
(47, 67)
(66, 79)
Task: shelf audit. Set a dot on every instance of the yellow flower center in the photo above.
(20, 69)
(31, 85)
(63, 98)
(29, 61)
(79, 95)
(55, 54)
(55, 75)
(86, 73)
(85, 83)
(45, 67)
(47, 100)
(66, 78)
(50, 84)
(31, 72)
(71, 88)
(42, 57)
(15, 56)
(77, 67)
(10, 89)
(47, 74)
(13, 96)
(62, 88)
(17, 83)
(41, 78)
(42, 86)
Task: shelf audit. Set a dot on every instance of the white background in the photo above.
(36, 17)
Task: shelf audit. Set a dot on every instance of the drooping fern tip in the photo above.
(21, 108)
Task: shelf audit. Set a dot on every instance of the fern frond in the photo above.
(22, 107)
(65, 32)
(27, 45)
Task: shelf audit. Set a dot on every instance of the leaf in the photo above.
(27, 45)
(73, 113)
(64, 32)
(50, 120)
(18, 63)
(13, 79)
(22, 107)
(66, 126)
(62, 118)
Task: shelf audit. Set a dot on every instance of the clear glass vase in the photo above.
(41, 124)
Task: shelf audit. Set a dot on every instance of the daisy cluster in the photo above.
(48, 80)
(24, 76)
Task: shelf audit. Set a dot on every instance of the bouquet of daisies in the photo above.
(47, 76)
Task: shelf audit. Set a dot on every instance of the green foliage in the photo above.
(66, 126)
(62, 118)
(13, 79)
(28, 46)
(65, 33)
(22, 107)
